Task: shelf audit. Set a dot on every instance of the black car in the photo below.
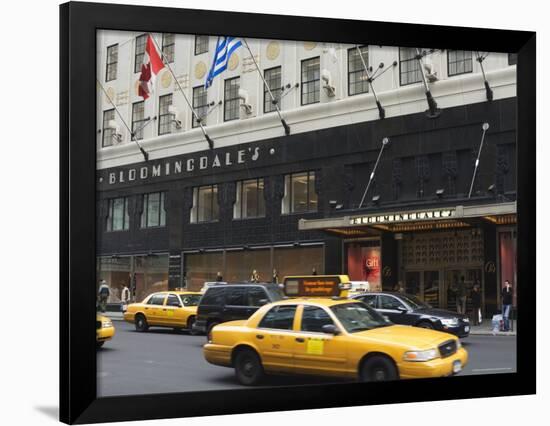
(228, 302)
(408, 310)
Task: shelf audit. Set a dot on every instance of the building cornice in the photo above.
(451, 92)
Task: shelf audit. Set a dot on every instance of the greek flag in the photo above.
(224, 48)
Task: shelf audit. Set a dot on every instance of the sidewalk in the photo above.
(485, 329)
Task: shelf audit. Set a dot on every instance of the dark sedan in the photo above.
(408, 310)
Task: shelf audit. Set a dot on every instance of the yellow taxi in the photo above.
(330, 336)
(175, 309)
(104, 330)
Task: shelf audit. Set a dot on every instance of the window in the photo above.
(173, 300)
(156, 299)
(168, 44)
(231, 99)
(165, 118)
(250, 200)
(409, 68)
(279, 317)
(205, 204)
(459, 62)
(201, 44)
(300, 195)
(118, 219)
(138, 119)
(273, 79)
(107, 133)
(389, 302)
(314, 318)
(200, 105)
(310, 81)
(214, 296)
(234, 296)
(112, 62)
(369, 300)
(140, 52)
(153, 213)
(256, 296)
(512, 58)
(357, 76)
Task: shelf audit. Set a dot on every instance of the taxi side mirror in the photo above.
(330, 329)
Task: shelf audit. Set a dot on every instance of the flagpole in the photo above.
(381, 110)
(208, 139)
(273, 100)
(132, 136)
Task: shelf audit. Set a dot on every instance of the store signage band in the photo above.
(403, 217)
(180, 166)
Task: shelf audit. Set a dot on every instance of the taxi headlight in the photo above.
(420, 356)
(106, 324)
(450, 322)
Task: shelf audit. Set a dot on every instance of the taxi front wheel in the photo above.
(248, 367)
(377, 369)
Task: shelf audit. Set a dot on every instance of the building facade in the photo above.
(290, 204)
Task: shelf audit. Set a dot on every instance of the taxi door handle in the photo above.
(300, 339)
(259, 336)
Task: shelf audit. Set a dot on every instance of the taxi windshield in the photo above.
(190, 299)
(358, 317)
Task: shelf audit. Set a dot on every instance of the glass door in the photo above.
(432, 293)
(412, 283)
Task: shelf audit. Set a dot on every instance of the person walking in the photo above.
(219, 277)
(275, 277)
(125, 296)
(507, 299)
(103, 295)
(461, 296)
(313, 271)
(255, 277)
(476, 304)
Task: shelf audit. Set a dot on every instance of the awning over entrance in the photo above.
(432, 218)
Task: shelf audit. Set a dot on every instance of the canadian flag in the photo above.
(152, 64)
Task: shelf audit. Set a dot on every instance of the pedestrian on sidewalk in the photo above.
(313, 271)
(219, 277)
(255, 277)
(275, 277)
(103, 294)
(507, 299)
(125, 297)
(476, 304)
(461, 296)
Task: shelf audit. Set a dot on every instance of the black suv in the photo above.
(228, 302)
(406, 309)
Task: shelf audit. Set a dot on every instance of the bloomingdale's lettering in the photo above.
(180, 166)
(403, 217)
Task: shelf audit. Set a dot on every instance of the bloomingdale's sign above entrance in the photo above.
(404, 216)
(188, 165)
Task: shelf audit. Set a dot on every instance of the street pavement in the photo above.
(164, 361)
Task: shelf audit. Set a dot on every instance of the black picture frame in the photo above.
(78, 25)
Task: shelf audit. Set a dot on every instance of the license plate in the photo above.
(457, 366)
(466, 328)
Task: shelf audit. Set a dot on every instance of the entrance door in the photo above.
(412, 283)
(471, 276)
(432, 288)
